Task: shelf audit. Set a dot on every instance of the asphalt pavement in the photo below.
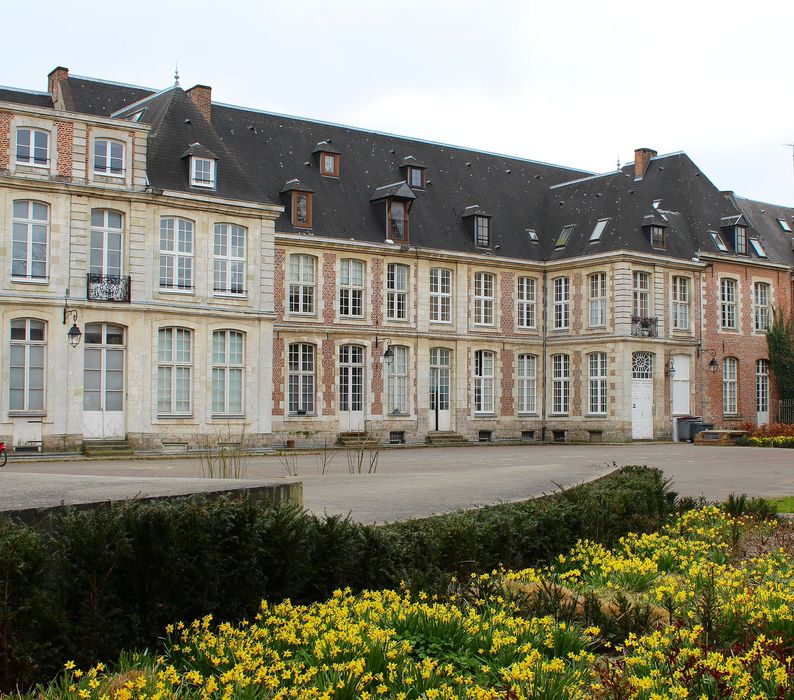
(411, 483)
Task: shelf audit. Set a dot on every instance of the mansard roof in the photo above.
(25, 97)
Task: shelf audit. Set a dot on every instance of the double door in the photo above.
(104, 381)
(440, 374)
(351, 388)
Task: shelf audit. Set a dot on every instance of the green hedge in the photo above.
(111, 578)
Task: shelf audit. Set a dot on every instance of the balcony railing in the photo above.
(108, 288)
(644, 326)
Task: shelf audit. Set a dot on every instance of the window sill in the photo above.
(27, 414)
(176, 290)
(352, 318)
(301, 314)
(229, 295)
(399, 416)
(173, 416)
(528, 414)
(527, 328)
(560, 415)
(397, 320)
(228, 416)
(732, 416)
(488, 415)
(441, 323)
(595, 415)
(484, 325)
(30, 280)
(301, 415)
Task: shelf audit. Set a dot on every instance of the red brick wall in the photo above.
(577, 303)
(577, 381)
(202, 98)
(280, 283)
(329, 286)
(377, 375)
(329, 376)
(65, 140)
(377, 296)
(278, 377)
(5, 140)
(507, 281)
(506, 362)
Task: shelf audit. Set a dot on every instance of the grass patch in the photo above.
(785, 504)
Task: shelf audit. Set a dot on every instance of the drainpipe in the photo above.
(543, 367)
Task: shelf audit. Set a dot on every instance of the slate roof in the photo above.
(25, 97)
(101, 98)
(762, 219)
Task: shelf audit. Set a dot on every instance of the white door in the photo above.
(642, 396)
(762, 392)
(103, 382)
(440, 414)
(351, 388)
(679, 364)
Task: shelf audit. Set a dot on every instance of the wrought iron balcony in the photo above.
(108, 288)
(644, 326)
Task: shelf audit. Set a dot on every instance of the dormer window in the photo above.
(740, 240)
(202, 172)
(719, 244)
(329, 164)
(398, 220)
(658, 237)
(394, 201)
(302, 209)
(532, 235)
(482, 231)
(108, 158)
(33, 147)
(416, 178)
(564, 236)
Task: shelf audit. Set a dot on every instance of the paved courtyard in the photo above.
(413, 483)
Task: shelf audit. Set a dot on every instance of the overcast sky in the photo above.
(577, 83)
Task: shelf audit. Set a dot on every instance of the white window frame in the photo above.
(24, 231)
(597, 287)
(301, 379)
(641, 294)
(719, 243)
(397, 291)
(176, 254)
(108, 170)
(302, 286)
(202, 172)
(598, 230)
(762, 293)
(352, 277)
(730, 386)
(762, 386)
(34, 398)
(228, 369)
(561, 384)
(527, 375)
(597, 383)
(484, 298)
(526, 296)
(397, 381)
(32, 161)
(440, 295)
(681, 295)
(412, 178)
(484, 364)
(106, 231)
(229, 259)
(171, 361)
(729, 312)
(562, 303)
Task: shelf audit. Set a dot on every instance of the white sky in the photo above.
(577, 82)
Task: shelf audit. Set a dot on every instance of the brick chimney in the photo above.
(642, 157)
(202, 98)
(54, 79)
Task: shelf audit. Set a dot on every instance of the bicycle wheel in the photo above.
(3, 458)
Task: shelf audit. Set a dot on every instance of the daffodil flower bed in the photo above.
(718, 593)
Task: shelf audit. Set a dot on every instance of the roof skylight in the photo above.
(598, 231)
(532, 234)
(784, 225)
(718, 242)
(564, 236)
(656, 203)
(758, 248)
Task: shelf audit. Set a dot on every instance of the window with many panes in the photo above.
(560, 384)
(176, 254)
(108, 157)
(396, 292)
(640, 294)
(525, 294)
(302, 209)
(107, 238)
(527, 383)
(484, 283)
(30, 238)
(597, 383)
(227, 372)
(229, 259)
(728, 315)
(483, 381)
(761, 307)
(482, 231)
(658, 237)
(26, 365)
(680, 303)
(598, 299)
(174, 370)
(416, 178)
(301, 379)
(730, 366)
(562, 302)
(301, 283)
(202, 172)
(397, 381)
(397, 224)
(440, 295)
(762, 386)
(33, 147)
(351, 288)
(740, 240)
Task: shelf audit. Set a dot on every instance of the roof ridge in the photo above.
(138, 103)
(470, 149)
(27, 92)
(111, 82)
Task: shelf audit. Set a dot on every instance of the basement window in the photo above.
(565, 235)
(598, 231)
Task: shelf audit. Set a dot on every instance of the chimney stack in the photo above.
(54, 80)
(202, 98)
(642, 157)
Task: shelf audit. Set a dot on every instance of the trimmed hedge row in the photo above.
(111, 578)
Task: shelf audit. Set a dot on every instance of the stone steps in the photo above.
(107, 448)
(445, 439)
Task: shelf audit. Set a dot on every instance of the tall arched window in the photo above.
(483, 381)
(597, 383)
(26, 375)
(527, 383)
(560, 384)
(30, 239)
(302, 283)
(301, 378)
(730, 369)
(397, 381)
(174, 370)
(176, 254)
(227, 372)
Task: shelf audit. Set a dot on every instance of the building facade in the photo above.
(296, 279)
